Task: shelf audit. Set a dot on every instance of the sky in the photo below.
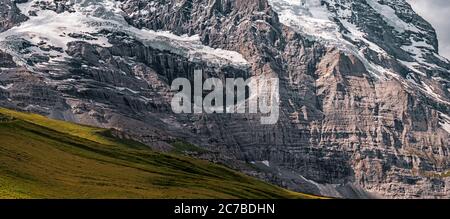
(437, 12)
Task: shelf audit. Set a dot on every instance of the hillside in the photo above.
(364, 94)
(43, 158)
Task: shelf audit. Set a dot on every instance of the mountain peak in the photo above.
(364, 95)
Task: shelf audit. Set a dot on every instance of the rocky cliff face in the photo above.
(10, 15)
(364, 94)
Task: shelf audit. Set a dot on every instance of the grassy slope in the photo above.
(43, 158)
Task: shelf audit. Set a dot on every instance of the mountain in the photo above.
(43, 158)
(364, 108)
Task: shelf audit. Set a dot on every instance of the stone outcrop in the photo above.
(343, 130)
(10, 15)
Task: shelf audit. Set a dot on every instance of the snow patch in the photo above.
(90, 17)
(307, 16)
(331, 22)
(266, 162)
(390, 17)
(7, 87)
(430, 92)
(444, 122)
(127, 89)
(312, 18)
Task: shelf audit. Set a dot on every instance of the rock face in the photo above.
(10, 15)
(364, 94)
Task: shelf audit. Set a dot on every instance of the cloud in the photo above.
(437, 12)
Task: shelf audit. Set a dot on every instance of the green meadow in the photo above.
(45, 158)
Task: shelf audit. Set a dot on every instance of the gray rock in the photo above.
(343, 131)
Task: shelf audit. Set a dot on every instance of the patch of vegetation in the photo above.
(110, 135)
(183, 147)
(5, 118)
(44, 158)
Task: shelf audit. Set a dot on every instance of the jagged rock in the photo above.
(357, 118)
(10, 15)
